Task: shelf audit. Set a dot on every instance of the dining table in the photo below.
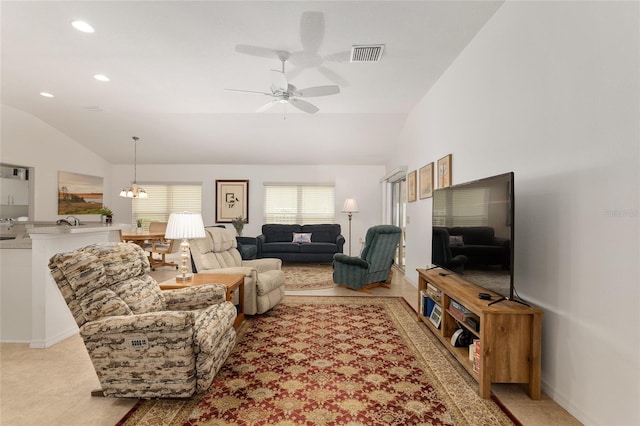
(142, 237)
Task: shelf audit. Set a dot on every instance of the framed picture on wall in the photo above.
(232, 200)
(79, 194)
(444, 171)
(426, 181)
(411, 186)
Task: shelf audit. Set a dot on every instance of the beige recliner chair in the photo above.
(264, 279)
(144, 342)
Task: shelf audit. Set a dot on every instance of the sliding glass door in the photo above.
(399, 216)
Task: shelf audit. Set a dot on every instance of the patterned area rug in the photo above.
(332, 361)
(307, 276)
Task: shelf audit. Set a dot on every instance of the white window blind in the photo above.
(165, 199)
(299, 203)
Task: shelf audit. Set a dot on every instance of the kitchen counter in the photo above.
(32, 310)
(23, 230)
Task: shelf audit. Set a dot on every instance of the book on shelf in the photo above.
(476, 356)
(460, 307)
(464, 315)
(426, 304)
(460, 316)
(433, 293)
(423, 303)
(455, 313)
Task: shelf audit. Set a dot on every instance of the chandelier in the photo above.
(134, 191)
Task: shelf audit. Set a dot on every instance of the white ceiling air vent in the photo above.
(366, 53)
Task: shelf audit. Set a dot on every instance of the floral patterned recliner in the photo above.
(144, 342)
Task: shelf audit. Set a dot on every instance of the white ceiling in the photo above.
(169, 63)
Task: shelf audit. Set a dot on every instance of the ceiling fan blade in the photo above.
(333, 76)
(311, 30)
(263, 52)
(248, 91)
(319, 91)
(279, 81)
(292, 73)
(338, 56)
(304, 106)
(267, 106)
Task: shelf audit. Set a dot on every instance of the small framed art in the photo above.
(411, 186)
(232, 200)
(444, 171)
(436, 315)
(426, 181)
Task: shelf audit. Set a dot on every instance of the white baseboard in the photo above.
(43, 344)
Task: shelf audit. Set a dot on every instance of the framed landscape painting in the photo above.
(444, 171)
(426, 181)
(411, 186)
(79, 194)
(232, 200)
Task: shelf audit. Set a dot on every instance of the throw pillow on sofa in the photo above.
(302, 237)
(456, 241)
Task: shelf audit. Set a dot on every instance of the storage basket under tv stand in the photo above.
(510, 333)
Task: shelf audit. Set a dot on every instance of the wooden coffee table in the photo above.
(233, 282)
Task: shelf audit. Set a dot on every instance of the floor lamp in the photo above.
(350, 207)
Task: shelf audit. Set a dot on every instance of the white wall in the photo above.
(359, 182)
(551, 91)
(28, 141)
(546, 89)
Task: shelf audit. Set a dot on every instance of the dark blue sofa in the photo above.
(276, 241)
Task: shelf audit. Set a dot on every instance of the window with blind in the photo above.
(299, 203)
(165, 199)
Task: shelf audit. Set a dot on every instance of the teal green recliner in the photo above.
(372, 268)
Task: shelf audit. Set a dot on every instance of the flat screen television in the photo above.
(476, 221)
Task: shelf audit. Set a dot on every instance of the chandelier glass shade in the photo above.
(134, 191)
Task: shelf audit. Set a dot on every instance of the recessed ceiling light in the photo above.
(46, 94)
(101, 77)
(82, 26)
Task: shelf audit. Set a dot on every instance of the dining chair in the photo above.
(161, 247)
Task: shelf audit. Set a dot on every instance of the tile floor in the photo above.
(52, 386)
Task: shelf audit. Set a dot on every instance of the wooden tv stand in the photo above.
(510, 333)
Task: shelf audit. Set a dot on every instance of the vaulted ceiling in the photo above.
(169, 63)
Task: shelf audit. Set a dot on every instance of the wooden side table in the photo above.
(233, 282)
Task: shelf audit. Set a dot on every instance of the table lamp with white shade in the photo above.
(184, 226)
(350, 207)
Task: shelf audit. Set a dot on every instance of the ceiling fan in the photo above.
(285, 93)
(312, 29)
